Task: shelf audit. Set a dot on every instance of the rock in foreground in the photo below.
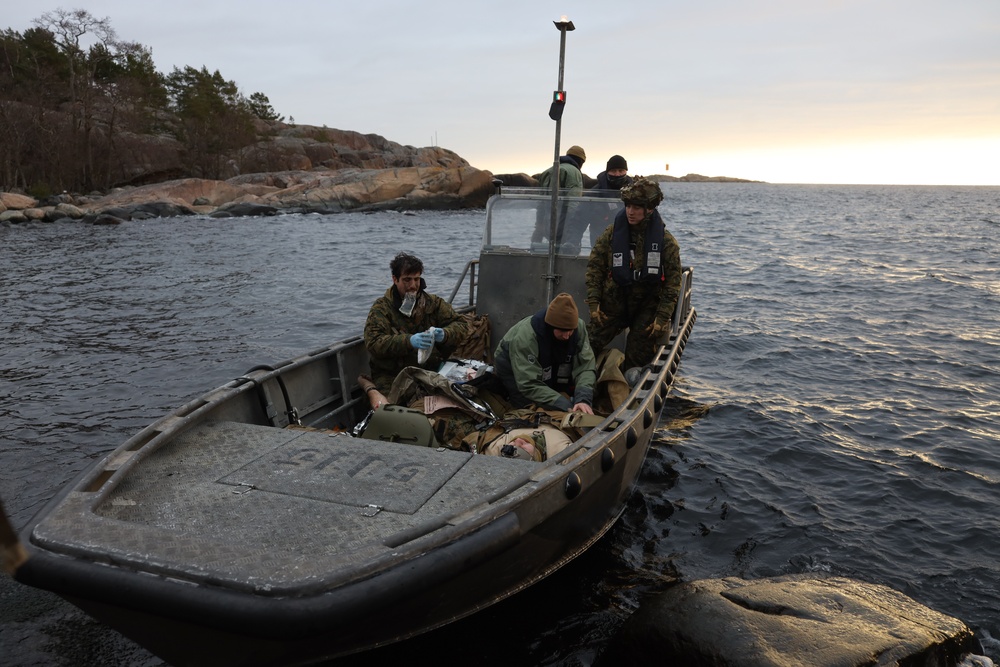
(789, 621)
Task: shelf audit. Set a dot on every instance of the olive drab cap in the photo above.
(643, 192)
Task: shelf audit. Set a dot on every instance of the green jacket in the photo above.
(615, 299)
(570, 177)
(517, 364)
(388, 331)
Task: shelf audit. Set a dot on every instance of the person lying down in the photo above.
(469, 418)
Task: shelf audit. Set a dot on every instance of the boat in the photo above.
(250, 527)
(255, 525)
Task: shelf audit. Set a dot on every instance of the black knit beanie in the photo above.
(617, 162)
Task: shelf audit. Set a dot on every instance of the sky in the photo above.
(826, 91)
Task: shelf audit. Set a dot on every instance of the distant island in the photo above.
(698, 178)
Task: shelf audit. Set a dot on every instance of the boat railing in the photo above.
(471, 272)
(683, 308)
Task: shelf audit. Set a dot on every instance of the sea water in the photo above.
(837, 408)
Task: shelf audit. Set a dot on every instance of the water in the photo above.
(837, 410)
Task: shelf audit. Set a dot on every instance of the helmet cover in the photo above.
(643, 192)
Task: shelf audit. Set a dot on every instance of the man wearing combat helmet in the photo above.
(634, 276)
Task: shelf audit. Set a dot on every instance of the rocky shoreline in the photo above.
(302, 169)
(314, 191)
(323, 191)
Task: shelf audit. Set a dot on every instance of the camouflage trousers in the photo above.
(640, 346)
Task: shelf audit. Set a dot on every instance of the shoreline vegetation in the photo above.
(101, 120)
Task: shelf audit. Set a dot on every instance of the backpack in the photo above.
(477, 339)
(454, 410)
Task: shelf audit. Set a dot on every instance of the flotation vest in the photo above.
(623, 269)
(556, 373)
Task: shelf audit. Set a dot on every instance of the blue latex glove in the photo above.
(438, 334)
(422, 340)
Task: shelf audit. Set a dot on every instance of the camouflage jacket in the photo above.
(602, 289)
(388, 331)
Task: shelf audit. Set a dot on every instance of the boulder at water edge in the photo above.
(16, 201)
(788, 621)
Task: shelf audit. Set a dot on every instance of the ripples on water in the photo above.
(847, 345)
(837, 410)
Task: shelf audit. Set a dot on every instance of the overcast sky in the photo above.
(826, 91)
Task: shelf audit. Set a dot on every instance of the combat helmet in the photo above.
(643, 192)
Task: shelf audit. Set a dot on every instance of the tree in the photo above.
(33, 76)
(261, 107)
(69, 28)
(135, 102)
(215, 120)
(81, 109)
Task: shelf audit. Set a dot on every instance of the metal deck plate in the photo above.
(349, 471)
(267, 509)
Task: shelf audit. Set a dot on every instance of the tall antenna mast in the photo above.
(564, 25)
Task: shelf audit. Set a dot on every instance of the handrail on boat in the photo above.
(683, 301)
(469, 270)
(347, 402)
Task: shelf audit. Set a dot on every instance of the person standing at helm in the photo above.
(546, 360)
(570, 180)
(403, 321)
(634, 276)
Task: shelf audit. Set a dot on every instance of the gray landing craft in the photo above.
(227, 534)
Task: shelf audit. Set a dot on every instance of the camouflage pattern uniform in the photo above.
(636, 306)
(388, 331)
